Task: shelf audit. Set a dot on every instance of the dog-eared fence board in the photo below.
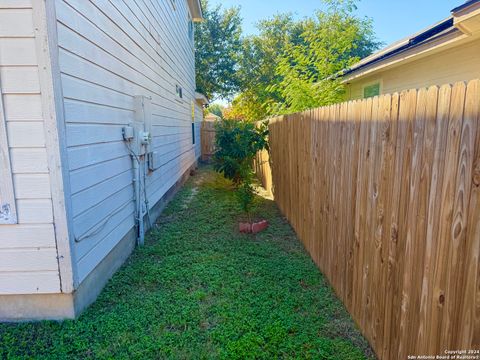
(384, 194)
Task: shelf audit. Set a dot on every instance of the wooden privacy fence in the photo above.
(207, 139)
(384, 193)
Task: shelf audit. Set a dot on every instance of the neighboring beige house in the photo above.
(99, 124)
(446, 52)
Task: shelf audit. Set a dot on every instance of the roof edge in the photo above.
(402, 45)
(201, 98)
(464, 6)
(196, 10)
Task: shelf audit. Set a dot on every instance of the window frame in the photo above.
(8, 210)
(191, 29)
(178, 92)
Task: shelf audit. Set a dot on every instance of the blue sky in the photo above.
(393, 19)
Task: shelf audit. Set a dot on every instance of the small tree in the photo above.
(237, 143)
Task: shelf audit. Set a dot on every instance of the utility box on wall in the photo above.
(142, 125)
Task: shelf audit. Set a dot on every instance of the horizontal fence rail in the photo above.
(384, 193)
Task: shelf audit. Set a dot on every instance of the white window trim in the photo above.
(8, 211)
(370, 83)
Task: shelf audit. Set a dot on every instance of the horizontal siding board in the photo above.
(87, 220)
(15, 22)
(82, 201)
(42, 259)
(81, 112)
(74, 88)
(96, 235)
(23, 107)
(92, 175)
(29, 161)
(16, 4)
(165, 158)
(162, 140)
(17, 51)
(162, 115)
(96, 254)
(27, 236)
(20, 80)
(180, 129)
(159, 189)
(83, 156)
(177, 143)
(44, 282)
(35, 211)
(32, 186)
(166, 176)
(84, 134)
(25, 134)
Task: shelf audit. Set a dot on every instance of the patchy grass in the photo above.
(199, 289)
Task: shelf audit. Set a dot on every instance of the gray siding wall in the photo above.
(109, 52)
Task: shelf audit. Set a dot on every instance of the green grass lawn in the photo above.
(199, 289)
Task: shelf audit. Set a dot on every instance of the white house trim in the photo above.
(8, 213)
(52, 105)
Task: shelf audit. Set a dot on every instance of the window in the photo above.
(179, 91)
(8, 213)
(193, 133)
(371, 90)
(193, 123)
(190, 28)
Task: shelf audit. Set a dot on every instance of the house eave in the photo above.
(462, 25)
(447, 40)
(384, 56)
(467, 17)
(201, 99)
(196, 10)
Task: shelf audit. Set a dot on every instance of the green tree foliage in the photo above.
(237, 143)
(218, 47)
(291, 65)
(215, 109)
(245, 106)
(329, 43)
(260, 58)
